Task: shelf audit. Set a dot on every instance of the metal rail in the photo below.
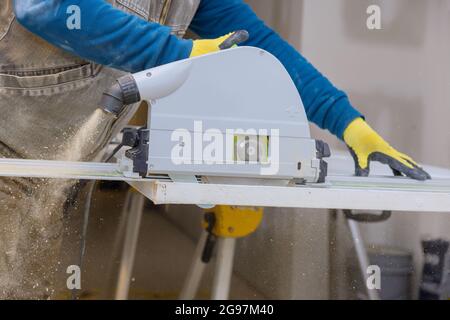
(61, 170)
(339, 192)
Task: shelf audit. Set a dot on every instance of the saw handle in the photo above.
(236, 38)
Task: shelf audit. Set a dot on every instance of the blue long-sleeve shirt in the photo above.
(117, 39)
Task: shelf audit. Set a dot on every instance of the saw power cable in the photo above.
(84, 230)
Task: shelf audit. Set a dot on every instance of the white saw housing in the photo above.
(228, 116)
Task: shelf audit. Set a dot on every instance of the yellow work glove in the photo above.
(366, 145)
(202, 47)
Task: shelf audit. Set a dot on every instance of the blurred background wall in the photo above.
(399, 77)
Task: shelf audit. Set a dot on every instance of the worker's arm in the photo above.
(107, 35)
(325, 105)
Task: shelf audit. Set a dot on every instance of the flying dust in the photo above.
(34, 262)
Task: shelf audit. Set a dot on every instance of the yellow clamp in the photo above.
(235, 222)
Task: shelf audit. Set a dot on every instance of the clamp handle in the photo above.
(236, 38)
(367, 217)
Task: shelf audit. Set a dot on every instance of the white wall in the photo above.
(399, 78)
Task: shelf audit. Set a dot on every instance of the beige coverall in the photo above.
(46, 95)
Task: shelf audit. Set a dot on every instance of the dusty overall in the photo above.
(45, 97)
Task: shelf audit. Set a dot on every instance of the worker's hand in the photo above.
(201, 47)
(366, 145)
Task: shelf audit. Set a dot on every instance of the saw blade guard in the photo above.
(232, 114)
